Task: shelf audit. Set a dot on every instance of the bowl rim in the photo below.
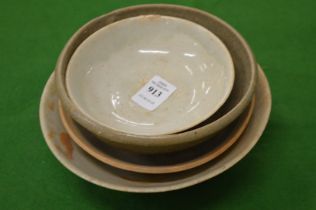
(122, 138)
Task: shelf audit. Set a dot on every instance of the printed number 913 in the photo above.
(154, 91)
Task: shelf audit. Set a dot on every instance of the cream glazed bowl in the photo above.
(243, 87)
(150, 75)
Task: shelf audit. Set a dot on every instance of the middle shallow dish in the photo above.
(157, 163)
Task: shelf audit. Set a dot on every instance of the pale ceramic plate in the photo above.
(113, 64)
(158, 163)
(81, 164)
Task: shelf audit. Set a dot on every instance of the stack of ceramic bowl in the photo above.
(154, 98)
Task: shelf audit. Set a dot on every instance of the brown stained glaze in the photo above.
(59, 149)
(51, 134)
(67, 144)
(51, 106)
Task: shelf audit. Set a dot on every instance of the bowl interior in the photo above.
(150, 75)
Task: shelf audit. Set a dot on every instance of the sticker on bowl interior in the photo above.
(154, 93)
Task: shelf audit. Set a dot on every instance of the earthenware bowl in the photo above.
(244, 84)
(150, 75)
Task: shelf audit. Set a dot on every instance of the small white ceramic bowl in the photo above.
(150, 75)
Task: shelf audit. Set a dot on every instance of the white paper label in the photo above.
(154, 93)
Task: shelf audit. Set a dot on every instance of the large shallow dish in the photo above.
(109, 75)
(245, 80)
(81, 164)
(157, 163)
